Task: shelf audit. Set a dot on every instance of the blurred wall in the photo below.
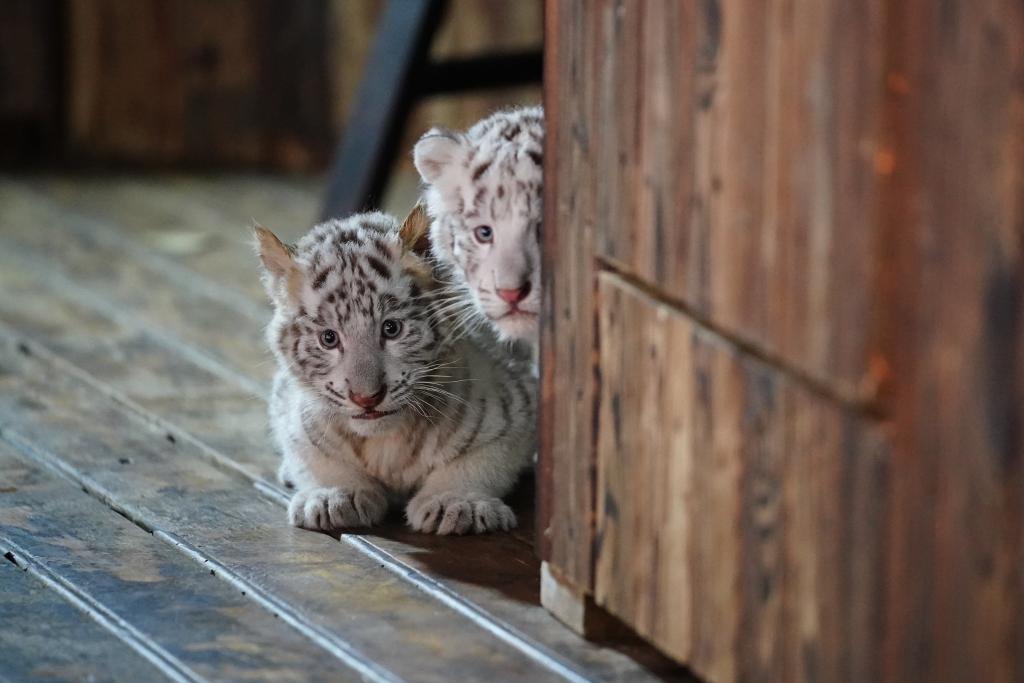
(251, 83)
(30, 83)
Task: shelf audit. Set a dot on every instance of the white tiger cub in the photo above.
(483, 192)
(369, 405)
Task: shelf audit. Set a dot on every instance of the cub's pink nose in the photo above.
(514, 296)
(367, 401)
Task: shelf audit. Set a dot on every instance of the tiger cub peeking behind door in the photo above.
(483, 193)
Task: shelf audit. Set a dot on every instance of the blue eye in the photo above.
(483, 234)
(329, 339)
(390, 329)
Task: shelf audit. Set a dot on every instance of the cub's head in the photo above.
(352, 318)
(484, 194)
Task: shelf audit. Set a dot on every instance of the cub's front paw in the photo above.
(325, 509)
(458, 513)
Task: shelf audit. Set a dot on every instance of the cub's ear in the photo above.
(275, 255)
(282, 277)
(435, 153)
(415, 231)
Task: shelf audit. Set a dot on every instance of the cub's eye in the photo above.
(329, 339)
(391, 329)
(483, 234)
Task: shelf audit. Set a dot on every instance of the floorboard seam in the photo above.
(832, 391)
(432, 588)
(90, 300)
(438, 591)
(332, 644)
(186, 278)
(214, 456)
(329, 642)
(121, 629)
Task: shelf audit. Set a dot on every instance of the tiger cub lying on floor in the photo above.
(370, 403)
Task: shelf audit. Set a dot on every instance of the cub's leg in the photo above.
(331, 490)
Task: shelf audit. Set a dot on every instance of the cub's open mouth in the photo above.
(373, 414)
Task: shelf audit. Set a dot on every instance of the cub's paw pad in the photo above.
(456, 513)
(325, 509)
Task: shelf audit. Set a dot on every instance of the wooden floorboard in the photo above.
(200, 224)
(104, 272)
(164, 605)
(188, 366)
(366, 612)
(47, 638)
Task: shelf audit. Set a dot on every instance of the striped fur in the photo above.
(489, 175)
(455, 425)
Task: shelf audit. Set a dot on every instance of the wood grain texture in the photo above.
(820, 204)
(134, 361)
(98, 265)
(194, 82)
(954, 217)
(566, 506)
(370, 616)
(45, 638)
(728, 497)
(189, 621)
(205, 227)
(735, 165)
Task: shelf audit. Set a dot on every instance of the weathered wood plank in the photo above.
(130, 363)
(833, 192)
(565, 499)
(953, 331)
(736, 165)
(578, 611)
(197, 223)
(228, 83)
(98, 266)
(165, 604)
(728, 497)
(45, 638)
(346, 598)
(197, 405)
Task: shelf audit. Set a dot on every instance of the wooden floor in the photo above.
(143, 527)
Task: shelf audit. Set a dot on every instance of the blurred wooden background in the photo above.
(232, 83)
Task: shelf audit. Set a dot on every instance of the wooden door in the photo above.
(783, 338)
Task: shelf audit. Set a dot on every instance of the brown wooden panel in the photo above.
(835, 202)
(954, 228)
(199, 82)
(736, 166)
(728, 499)
(30, 80)
(568, 367)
